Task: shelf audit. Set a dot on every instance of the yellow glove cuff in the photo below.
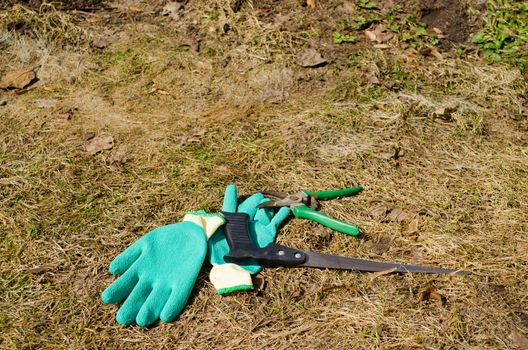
(209, 222)
(228, 278)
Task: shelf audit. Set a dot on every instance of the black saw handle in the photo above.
(241, 246)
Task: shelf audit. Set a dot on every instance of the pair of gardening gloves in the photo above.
(159, 270)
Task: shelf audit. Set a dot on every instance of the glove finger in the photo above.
(151, 309)
(249, 206)
(230, 199)
(120, 288)
(277, 220)
(129, 310)
(174, 306)
(123, 261)
(264, 216)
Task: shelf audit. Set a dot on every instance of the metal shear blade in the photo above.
(304, 204)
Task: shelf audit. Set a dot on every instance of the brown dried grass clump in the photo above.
(442, 140)
(43, 23)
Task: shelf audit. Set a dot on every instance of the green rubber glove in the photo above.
(159, 270)
(229, 277)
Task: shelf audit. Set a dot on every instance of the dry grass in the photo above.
(44, 24)
(64, 214)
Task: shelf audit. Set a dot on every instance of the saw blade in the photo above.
(348, 263)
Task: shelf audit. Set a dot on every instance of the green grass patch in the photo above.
(13, 284)
(407, 27)
(414, 33)
(366, 4)
(364, 22)
(339, 38)
(505, 29)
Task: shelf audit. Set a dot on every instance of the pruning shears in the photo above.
(275, 255)
(303, 205)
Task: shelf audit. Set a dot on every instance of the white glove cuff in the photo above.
(209, 222)
(227, 278)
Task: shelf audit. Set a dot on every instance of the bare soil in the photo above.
(450, 16)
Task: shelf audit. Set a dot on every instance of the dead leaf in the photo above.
(418, 254)
(436, 54)
(380, 211)
(172, 10)
(295, 295)
(383, 34)
(498, 289)
(433, 52)
(379, 34)
(46, 102)
(309, 57)
(183, 141)
(371, 78)
(385, 5)
(439, 33)
(120, 155)
(89, 135)
(370, 35)
(384, 37)
(262, 11)
(93, 18)
(37, 270)
(437, 30)
(410, 215)
(382, 245)
(310, 3)
(432, 294)
(382, 46)
(193, 41)
(414, 225)
(386, 155)
(193, 137)
(64, 117)
(321, 233)
(163, 92)
(393, 154)
(519, 340)
(83, 281)
(281, 19)
(445, 112)
(98, 144)
(18, 79)
(275, 96)
(199, 132)
(222, 170)
(396, 214)
(105, 39)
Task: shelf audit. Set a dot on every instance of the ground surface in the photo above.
(185, 103)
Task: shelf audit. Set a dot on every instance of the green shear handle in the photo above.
(304, 212)
(304, 203)
(326, 195)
